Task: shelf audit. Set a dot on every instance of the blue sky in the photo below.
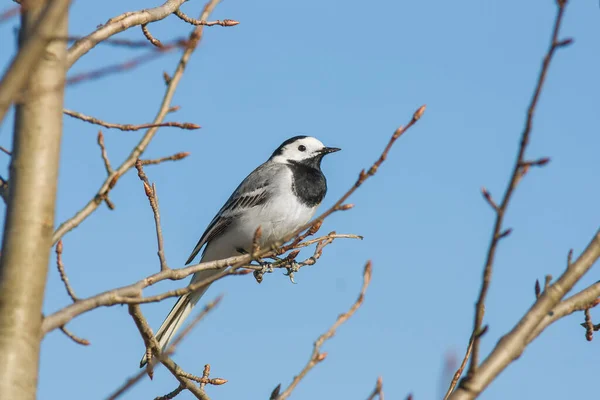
(348, 73)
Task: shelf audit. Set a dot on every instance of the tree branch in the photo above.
(30, 52)
(519, 169)
(512, 345)
(129, 127)
(120, 24)
(316, 356)
(86, 44)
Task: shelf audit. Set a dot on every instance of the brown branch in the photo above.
(104, 154)
(460, 369)
(378, 391)
(119, 24)
(129, 383)
(6, 151)
(153, 199)
(316, 356)
(174, 157)
(154, 41)
(131, 294)
(578, 302)
(61, 270)
(150, 341)
(539, 316)
(519, 169)
(172, 394)
(80, 48)
(199, 22)
(75, 338)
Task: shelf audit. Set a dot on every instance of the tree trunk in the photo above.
(29, 218)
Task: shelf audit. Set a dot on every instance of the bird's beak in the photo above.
(327, 150)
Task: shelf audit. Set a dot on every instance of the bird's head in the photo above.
(302, 149)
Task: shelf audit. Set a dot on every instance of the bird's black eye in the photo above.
(302, 147)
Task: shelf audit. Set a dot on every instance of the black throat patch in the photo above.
(308, 182)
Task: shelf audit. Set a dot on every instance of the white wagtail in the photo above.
(280, 196)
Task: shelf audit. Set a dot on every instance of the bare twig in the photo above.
(153, 199)
(6, 151)
(518, 170)
(512, 345)
(460, 369)
(378, 391)
(104, 154)
(119, 24)
(198, 22)
(316, 356)
(583, 300)
(152, 361)
(173, 394)
(61, 270)
(80, 48)
(75, 338)
(151, 38)
(174, 157)
(150, 341)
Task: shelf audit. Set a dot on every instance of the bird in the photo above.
(280, 196)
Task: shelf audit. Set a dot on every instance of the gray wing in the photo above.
(253, 191)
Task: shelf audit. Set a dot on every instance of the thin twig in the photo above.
(61, 271)
(153, 200)
(316, 356)
(129, 127)
(85, 45)
(152, 361)
(75, 338)
(104, 154)
(119, 24)
(151, 38)
(460, 370)
(174, 157)
(6, 151)
(518, 170)
(198, 22)
(173, 394)
(150, 341)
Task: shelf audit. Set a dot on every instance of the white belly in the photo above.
(275, 222)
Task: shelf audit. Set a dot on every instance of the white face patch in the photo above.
(299, 150)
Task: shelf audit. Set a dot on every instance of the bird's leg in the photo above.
(267, 267)
(291, 269)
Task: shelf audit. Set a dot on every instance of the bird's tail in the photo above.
(178, 314)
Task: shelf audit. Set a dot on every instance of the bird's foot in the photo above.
(267, 268)
(293, 268)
